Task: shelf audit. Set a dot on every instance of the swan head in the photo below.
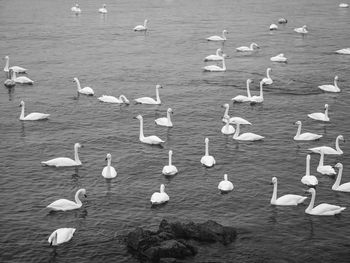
(139, 117)
(269, 69)
(21, 104)
(104, 5)
(304, 26)
(274, 180)
(225, 105)
(162, 188)
(108, 156)
(170, 110)
(249, 81)
(310, 190)
(159, 86)
(224, 31)
(340, 137)
(298, 123)
(226, 117)
(170, 152)
(281, 55)
(206, 140)
(255, 44)
(339, 166)
(336, 78)
(75, 79)
(77, 145)
(77, 5)
(326, 106)
(83, 191)
(308, 157)
(7, 57)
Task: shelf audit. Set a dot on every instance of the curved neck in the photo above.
(6, 68)
(268, 73)
(223, 64)
(252, 46)
(299, 130)
(122, 98)
(22, 112)
(170, 155)
(337, 146)
(206, 148)
(157, 95)
(217, 52)
(78, 84)
(76, 156)
(237, 131)
(274, 193)
(248, 90)
(321, 159)
(337, 181)
(312, 202)
(141, 130)
(77, 200)
(307, 172)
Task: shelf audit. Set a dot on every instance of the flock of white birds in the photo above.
(62, 235)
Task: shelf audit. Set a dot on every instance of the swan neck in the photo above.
(157, 95)
(312, 202)
(77, 200)
(261, 90)
(337, 181)
(217, 52)
(170, 159)
(321, 159)
(307, 172)
(76, 155)
(299, 130)
(237, 131)
(78, 84)
(141, 130)
(223, 64)
(274, 193)
(248, 90)
(168, 117)
(337, 146)
(206, 148)
(326, 112)
(336, 83)
(268, 74)
(22, 112)
(6, 68)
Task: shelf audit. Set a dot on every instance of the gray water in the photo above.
(105, 54)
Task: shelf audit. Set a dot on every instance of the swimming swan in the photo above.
(322, 209)
(218, 38)
(225, 185)
(215, 57)
(268, 80)
(60, 236)
(343, 5)
(103, 9)
(86, 91)
(169, 169)
(282, 20)
(233, 120)
(65, 162)
(329, 150)
(22, 79)
(324, 169)
(344, 51)
(65, 205)
(111, 99)
(248, 136)
(227, 129)
(273, 27)
(307, 179)
(15, 69)
(331, 88)
(279, 58)
(242, 98)
(148, 100)
(306, 136)
(76, 9)
(215, 68)
(260, 98)
(319, 116)
(207, 160)
(34, 116)
(337, 186)
(247, 49)
(301, 30)
(165, 121)
(109, 171)
(161, 197)
(141, 27)
(149, 139)
(288, 199)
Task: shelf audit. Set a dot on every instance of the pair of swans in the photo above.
(64, 161)
(153, 140)
(249, 98)
(344, 51)
(34, 116)
(247, 49)
(207, 160)
(148, 100)
(319, 116)
(306, 136)
(248, 136)
(285, 200)
(141, 27)
(103, 9)
(225, 185)
(337, 186)
(169, 169)
(279, 58)
(273, 27)
(15, 69)
(65, 205)
(108, 171)
(111, 99)
(267, 80)
(76, 9)
(233, 120)
(219, 56)
(301, 30)
(60, 236)
(218, 38)
(308, 179)
(85, 91)
(329, 150)
(322, 209)
(165, 121)
(160, 197)
(331, 88)
(215, 68)
(324, 169)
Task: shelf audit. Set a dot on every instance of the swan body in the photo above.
(65, 205)
(218, 38)
(86, 91)
(279, 58)
(225, 185)
(161, 197)
(260, 98)
(103, 9)
(322, 209)
(60, 236)
(282, 20)
(216, 57)
(233, 120)
(34, 116)
(153, 140)
(307, 179)
(165, 121)
(268, 80)
(207, 160)
(344, 5)
(337, 186)
(227, 129)
(301, 30)
(331, 88)
(111, 99)
(324, 169)
(285, 200)
(76, 9)
(169, 169)
(10, 82)
(344, 51)
(242, 98)
(141, 27)
(108, 171)
(273, 27)
(22, 79)
(319, 116)
(15, 69)
(248, 136)
(329, 150)
(306, 136)
(65, 162)
(247, 49)
(215, 68)
(148, 100)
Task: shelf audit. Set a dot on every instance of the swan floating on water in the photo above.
(344, 51)
(148, 100)
(22, 79)
(343, 5)
(161, 197)
(60, 236)
(307, 179)
(227, 129)
(247, 49)
(153, 140)
(301, 30)
(242, 98)
(76, 9)
(15, 69)
(319, 116)
(10, 82)
(260, 98)
(279, 58)
(329, 150)
(218, 38)
(248, 136)
(207, 160)
(169, 169)
(65, 205)
(273, 27)
(216, 57)
(141, 27)
(103, 9)
(282, 20)
(322, 209)
(111, 99)
(165, 121)
(331, 88)
(108, 171)
(215, 68)
(285, 200)
(86, 90)
(233, 120)
(64, 161)
(324, 169)
(34, 116)
(225, 185)
(337, 186)
(306, 136)
(268, 80)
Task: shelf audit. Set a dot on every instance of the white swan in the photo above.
(34, 116)
(215, 68)
(141, 27)
(322, 209)
(344, 51)
(306, 136)
(218, 38)
(103, 9)
(331, 88)
(227, 129)
(149, 139)
(86, 90)
(324, 169)
(169, 169)
(307, 179)
(282, 20)
(64, 161)
(10, 82)
(268, 80)
(319, 116)
(65, 205)
(148, 100)
(225, 185)
(109, 171)
(248, 136)
(233, 120)
(337, 186)
(273, 27)
(207, 160)
(247, 49)
(161, 197)
(15, 69)
(301, 30)
(111, 99)
(216, 57)
(165, 121)
(60, 236)
(279, 58)
(242, 98)
(329, 150)
(76, 9)
(288, 199)
(344, 5)
(260, 98)
(22, 79)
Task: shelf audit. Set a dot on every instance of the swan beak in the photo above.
(134, 117)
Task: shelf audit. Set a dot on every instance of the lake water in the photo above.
(105, 54)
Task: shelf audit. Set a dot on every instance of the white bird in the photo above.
(233, 120)
(247, 49)
(60, 236)
(282, 20)
(215, 68)
(344, 51)
(103, 9)
(15, 69)
(216, 57)
(343, 5)
(319, 116)
(141, 27)
(331, 88)
(148, 100)
(149, 139)
(76, 9)
(10, 82)
(337, 186)
(307, 179)
(285, 200)
(329, 150)
(322, 209)
(227, 128)
(86, 90)
(273, 27)
(65, 205)
(248, 136)
(324, 169)
(64, 161)
(260, 98)
(225, 185)
(169, 169)
(301, 30)
(242, 98)
(268, 80)
(109, 171)
(218, 38)
(207, 160)
(161, 197)
(165, 121)
(22, 79)
(34, 116)
(279, 58)
(111, 99)
(306, 136)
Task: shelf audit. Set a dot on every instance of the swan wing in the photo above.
(240, 98)
(162, 121)
(249, 137)
(309, 180)
(215, 38)
(112, 174)
(159, 198)
(317, 116)
(228, 130)
(225, 186)
(169, 170)
(109, 99)
(153, 139)
(324, 149)
(18, 69)
(87, 91)
(345, 51)
(326, 169)
(61, 162)
(238, 120)
(290, 199)
(208, 161)
(23, 80)
(146, 100)
(63, 204)
(327, 209)
(307, 136)
(34, 116)
(243, 48)
(329, 88)
(213, 58)
(344, 187)
(139, 28)
(64, 234)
